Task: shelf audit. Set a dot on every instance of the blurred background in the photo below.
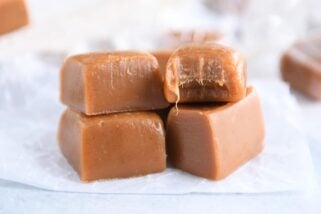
(260, 29)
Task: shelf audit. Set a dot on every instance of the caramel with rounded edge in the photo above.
(13, 15)
(301, 66)
(207, 72)
(99, 83)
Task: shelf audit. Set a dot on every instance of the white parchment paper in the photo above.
(30, 110)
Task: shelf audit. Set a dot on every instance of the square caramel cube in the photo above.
(213, 140)
(113, 146)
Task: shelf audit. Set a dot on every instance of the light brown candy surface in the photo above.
(213, 140)
(205, 73)
(113, 146)
(98, 83)
(13, 15)
(301, 67)
(162, 57)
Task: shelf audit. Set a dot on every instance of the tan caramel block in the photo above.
(301, 67)
(212, 141)
(113, 146)
(162, 57)
(205, 73)
(13, 15)
(97, 83)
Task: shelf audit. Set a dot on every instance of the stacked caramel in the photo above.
(215, 123)
(109, 130)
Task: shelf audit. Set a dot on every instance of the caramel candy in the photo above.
(162, 57)
(113, 146)
(301, 67)
(213, 140)
(13, 15)
(205, 73)
(99, 83)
